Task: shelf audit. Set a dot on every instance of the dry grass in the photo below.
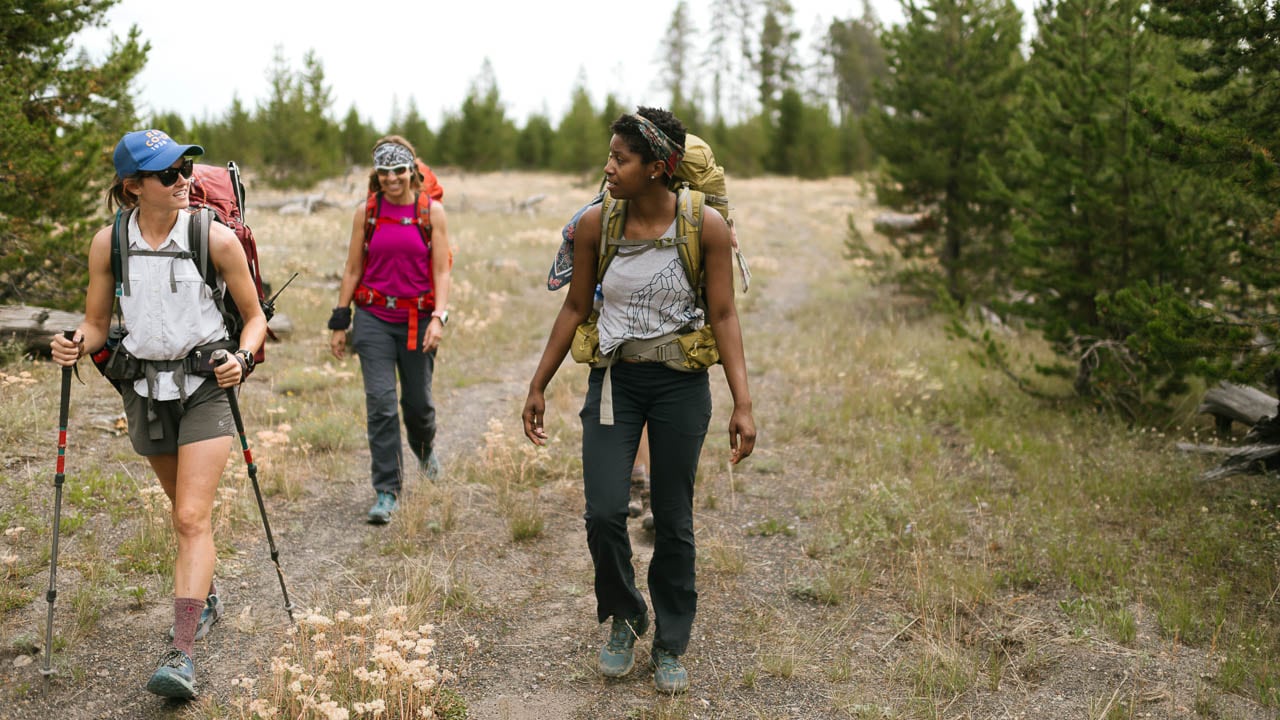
(910, 522)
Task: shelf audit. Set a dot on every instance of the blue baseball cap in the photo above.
(148, 150)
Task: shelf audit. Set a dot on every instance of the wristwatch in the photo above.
(442, 315)
(247, 357)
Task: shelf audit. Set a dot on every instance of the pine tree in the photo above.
(61, 117)
(413, 127)
(535, 143)
(1110, 242)
(479, 136)
(954, 69)
(582, 141)
(858, 63)
(679, 73)
(357, 138)
(776, 63)
(1231, 52)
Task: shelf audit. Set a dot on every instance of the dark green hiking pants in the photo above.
(677, 407)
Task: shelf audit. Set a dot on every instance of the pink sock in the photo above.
(186, 615)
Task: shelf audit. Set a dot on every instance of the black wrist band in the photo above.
(340, 319)
(244, 367)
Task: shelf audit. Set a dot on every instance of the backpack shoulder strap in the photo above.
(690, 205)
(198, 240)
(422, 216)
(372, 209)
(120, 250)
(613, 218)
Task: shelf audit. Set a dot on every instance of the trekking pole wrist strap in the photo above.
(340, 319)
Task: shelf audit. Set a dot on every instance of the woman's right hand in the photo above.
(532, 418)
(338, 344)
(66, 352)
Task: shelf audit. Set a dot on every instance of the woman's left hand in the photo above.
(742, 435)
(228, 374)
(435, 333)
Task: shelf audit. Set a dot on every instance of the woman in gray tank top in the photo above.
(646, 299)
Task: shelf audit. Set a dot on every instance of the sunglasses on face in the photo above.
(169, 176)
(393, 170)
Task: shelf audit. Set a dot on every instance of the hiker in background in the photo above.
(647, 296)
(397, 273)
(179, 415)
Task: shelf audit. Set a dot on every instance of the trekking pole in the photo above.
(219, 357)
(59, 475)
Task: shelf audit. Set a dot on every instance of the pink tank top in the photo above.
(397, 264)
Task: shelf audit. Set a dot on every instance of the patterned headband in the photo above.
(664, 147)
(389, 155)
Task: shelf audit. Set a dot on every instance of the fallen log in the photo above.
(32, 327)
(1229, 403)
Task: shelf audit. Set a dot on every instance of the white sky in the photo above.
(203, 54)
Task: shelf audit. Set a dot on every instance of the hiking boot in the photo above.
(669, 676)
(175, 677)
(380, 513)
(431, 467)
(208, 617)
(618, 655)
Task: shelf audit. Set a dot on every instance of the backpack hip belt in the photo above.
(426, 302)
(660, 349)
(122, 366)
(666, 349)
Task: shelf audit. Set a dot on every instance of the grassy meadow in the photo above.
(914, 537)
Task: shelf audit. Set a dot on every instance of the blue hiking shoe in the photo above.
(618, 655)
(380, 513)
(175, 677)
(208, 617)
(431, 467)
(669, 676)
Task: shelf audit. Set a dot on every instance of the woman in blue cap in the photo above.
(178, 412)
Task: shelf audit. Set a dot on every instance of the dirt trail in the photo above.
(530, 604)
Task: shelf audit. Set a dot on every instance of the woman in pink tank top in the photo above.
(397, 274)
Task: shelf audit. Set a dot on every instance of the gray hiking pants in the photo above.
(383, 351)
(677, 407)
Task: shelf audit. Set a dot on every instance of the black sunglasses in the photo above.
(169, 176)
